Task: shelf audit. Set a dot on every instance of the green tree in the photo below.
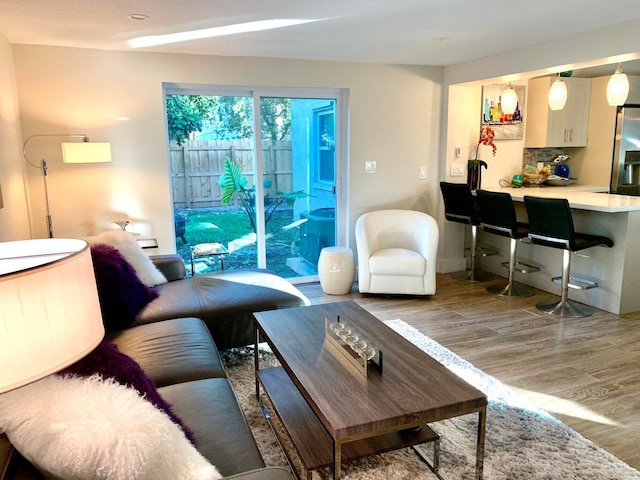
(187, 113)
(276, 118)
(228, 117)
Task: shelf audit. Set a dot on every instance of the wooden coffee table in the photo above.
(333, 413)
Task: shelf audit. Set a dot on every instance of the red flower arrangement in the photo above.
(486, 138)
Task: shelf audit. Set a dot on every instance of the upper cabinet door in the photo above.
(560, 128)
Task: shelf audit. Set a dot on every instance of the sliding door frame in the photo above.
(341, 97)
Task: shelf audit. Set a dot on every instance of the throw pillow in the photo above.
(122, 295)
(126, 244)
(109, 362)
(91, 428)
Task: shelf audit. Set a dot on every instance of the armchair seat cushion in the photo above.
(397, 261)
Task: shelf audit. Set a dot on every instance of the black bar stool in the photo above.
(498, 216)
(460, 207)
(551, 225)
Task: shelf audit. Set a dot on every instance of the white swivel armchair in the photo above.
(397, 252)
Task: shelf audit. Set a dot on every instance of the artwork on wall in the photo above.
(505, 126)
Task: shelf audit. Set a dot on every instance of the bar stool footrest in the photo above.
(522, 267)
(484, 251)
(576, 283)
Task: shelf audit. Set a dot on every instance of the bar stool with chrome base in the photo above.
(460, 207)
(498, 216)
(551, 225)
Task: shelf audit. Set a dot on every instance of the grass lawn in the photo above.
(230, 226)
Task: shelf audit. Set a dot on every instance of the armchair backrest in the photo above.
(394, 228)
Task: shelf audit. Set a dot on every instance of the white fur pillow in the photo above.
(75, 428)
(126, 244)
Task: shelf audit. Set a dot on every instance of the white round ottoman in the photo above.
(336, 269)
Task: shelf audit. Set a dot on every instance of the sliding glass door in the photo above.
(259, 173)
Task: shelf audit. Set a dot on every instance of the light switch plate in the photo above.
(370, 167)
(422, 173)
(456, 170)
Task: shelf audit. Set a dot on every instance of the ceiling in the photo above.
(418, 32)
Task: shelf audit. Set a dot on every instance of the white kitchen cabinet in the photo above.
(557, 128)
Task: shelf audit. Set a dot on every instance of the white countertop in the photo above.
(584, 197)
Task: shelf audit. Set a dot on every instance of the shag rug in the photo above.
(522, 441)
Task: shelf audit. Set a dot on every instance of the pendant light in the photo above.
(509, 100)
(557, 95)
(617, 88)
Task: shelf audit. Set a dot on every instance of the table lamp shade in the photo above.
(49, 308)
(86, 152)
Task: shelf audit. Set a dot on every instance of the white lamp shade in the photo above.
(617, 88)
(86, 152)
(557, 95)
(509, 100)
(49, 308)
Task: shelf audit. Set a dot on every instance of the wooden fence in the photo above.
(197, 165)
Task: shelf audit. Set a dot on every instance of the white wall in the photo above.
(394, 120)
(400, 116)
(14, 224)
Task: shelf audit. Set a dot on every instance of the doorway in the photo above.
(271, 207)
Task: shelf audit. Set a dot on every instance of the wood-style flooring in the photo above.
(584, 371)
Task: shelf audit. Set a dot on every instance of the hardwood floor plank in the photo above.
(584, 371)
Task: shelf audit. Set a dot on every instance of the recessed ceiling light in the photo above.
(138, 16)
(152, 40)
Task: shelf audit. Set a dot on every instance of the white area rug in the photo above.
(522, 442)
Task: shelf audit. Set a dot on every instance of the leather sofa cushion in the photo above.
(210, 408)
(225, 306)
(174, 351)
(397, 261)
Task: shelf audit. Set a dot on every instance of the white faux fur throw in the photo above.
(76, 428)
(126, 244)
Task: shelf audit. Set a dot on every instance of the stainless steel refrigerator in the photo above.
(625, 175)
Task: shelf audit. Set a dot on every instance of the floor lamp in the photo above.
(77, 152)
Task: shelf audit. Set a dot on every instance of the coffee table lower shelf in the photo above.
(311, 440)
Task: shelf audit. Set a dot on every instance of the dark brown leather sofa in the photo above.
(225, 301)
(180, 356)
(173, 341)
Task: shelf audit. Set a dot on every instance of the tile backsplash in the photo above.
(545, 155)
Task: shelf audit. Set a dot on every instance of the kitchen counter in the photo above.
(583, 197)
(616, 270)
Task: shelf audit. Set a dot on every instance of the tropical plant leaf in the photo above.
(291, 197)
(231, 181)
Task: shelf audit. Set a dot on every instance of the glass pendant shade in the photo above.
(557, 95)
(617, 88)
(509, 100)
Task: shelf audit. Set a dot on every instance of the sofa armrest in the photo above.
(171, 265)
(268, 473)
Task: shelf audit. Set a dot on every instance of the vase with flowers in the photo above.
(474, 173)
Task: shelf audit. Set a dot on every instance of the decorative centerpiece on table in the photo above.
(533, 176)
(474, 174)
